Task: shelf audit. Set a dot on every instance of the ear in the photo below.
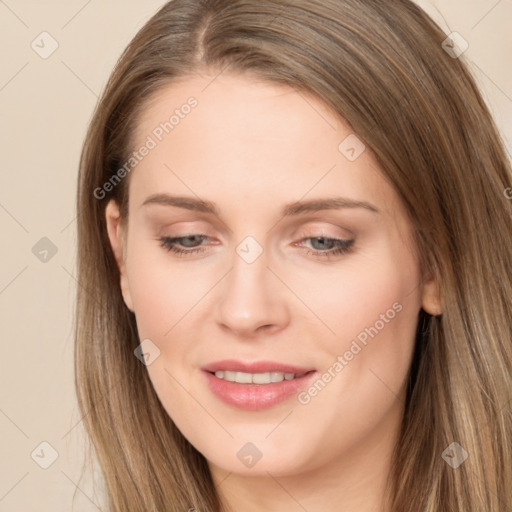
(117, 238)
(431, 300)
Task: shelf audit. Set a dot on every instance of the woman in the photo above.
(295, 261)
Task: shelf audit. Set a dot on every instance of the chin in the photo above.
(257, 458)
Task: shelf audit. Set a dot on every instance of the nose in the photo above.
(251, 300)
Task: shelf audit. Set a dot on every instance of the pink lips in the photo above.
(254, 397)
(256, 367)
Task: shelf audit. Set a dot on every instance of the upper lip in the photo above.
(254, 367)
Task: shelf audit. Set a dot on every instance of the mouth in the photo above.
(255, 386)
(255, 378)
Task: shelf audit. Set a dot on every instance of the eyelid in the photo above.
(299, 228)
(185, 222)
(322, 231)
(193, 226)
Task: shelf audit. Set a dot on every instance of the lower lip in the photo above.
(255, 397)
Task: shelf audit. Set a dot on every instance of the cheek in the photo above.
(377, 327)
(162, 291)
(172, 301)
(378, 289)
(165, 296)
(371, 305)
(373, 309)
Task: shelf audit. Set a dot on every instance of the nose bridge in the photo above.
(250, 297)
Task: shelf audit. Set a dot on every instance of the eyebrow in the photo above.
(291, 209)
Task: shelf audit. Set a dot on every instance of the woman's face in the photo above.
(295, 257)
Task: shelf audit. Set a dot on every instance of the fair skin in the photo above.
(251, 148)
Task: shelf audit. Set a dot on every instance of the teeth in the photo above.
(276, 376)
(243, 378)
(255, 378)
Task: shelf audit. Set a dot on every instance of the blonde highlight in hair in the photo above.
(381, 68)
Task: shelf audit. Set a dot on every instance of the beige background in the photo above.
(45, 106)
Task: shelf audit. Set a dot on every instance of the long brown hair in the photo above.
(381, 67)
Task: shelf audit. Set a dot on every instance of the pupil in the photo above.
(191, 239)
(324, 243)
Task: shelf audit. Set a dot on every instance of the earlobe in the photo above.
(431, 300)
(117, 237)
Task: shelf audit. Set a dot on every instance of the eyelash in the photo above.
(341, 246)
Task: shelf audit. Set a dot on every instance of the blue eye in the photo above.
(323, 247)
(328, 247)
(171, 244)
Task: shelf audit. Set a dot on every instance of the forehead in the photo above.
(238, 105)
(246, 139)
